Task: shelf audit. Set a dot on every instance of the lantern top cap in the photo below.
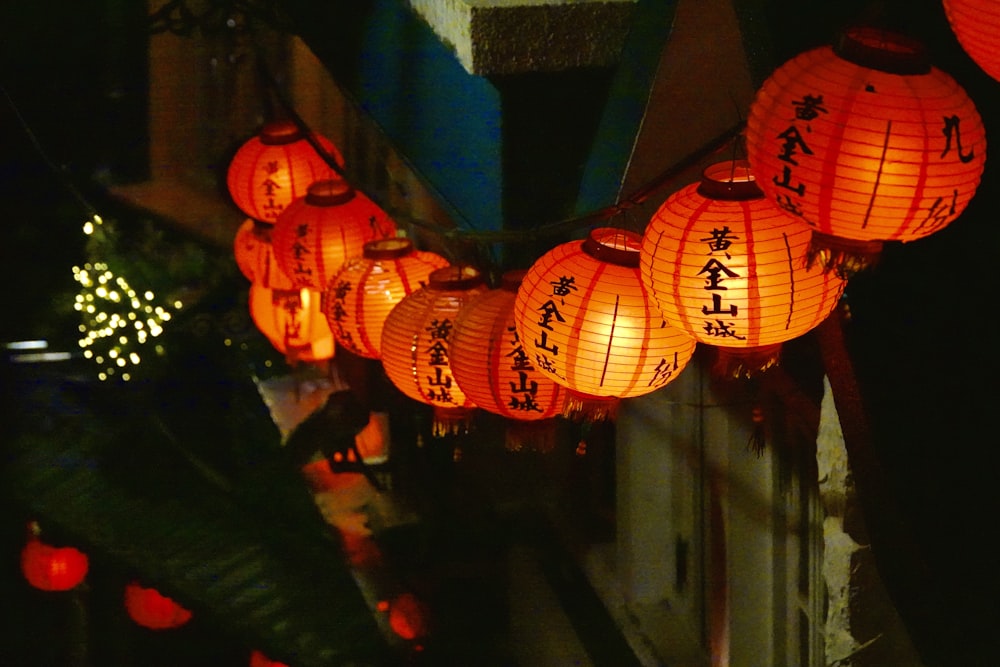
(883, 50)
(329, 192)
(615, 246)
(455, 277)
(511, 280)
(391, 248)
(729, 181)
(280, 132)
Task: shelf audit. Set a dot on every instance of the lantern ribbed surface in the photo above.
(254, 255)
(317, 233)
(866, 141)
(293, 321)
(416, 344)
(976, 24)
(51, 568)
(276, 167)
(491, 365)
(586, 322)
(359, 297)
(727, 266)
(151, 609)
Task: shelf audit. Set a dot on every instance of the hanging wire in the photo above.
(524, 235)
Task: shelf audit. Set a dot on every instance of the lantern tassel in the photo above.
(745, 362)
(758, 435)
(845, 257)
(537, 436)
(585, 408)
(451, 421)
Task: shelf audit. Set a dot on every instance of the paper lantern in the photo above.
(358, 298)
(316, 234)
(51, 568)
(416, 342)
(258, 659)
(254, 255)
(293, 322)
(408, 616)
(586, 322)
(276, 167)
(867, 142)
(491, 366)
(976, 24)
(151, 609)
(727, 266)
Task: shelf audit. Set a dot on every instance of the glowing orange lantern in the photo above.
(275, 168)
(51, 568)
(316, 234)
(258, 659)
(867, 142)
(293, 322)
(492, 367)
(586, 322)
(416, 342)
(358, 298)
(977, 26)
(151, 609)
(729, 267)
(255, 255)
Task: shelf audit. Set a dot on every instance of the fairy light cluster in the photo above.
(116, 319)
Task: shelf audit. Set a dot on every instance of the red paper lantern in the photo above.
(151, 609)
(976, 24)
(408, 616)
(316, 234)
(275, 168)
(293, 321)
(867, 142)
(586, 322)
(728, 267)
(258, 659)
(416, 343)
(254, 255)
(359, 297)
(492, 367)
(50, 568)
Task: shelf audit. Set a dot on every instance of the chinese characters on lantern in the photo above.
(523, 392)
(716, 272)
(548, 317)
(440, 382)
(301, 273)
(269, 188)
(336, 314)
(792, 143)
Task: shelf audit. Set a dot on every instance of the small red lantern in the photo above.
(408, 616)
(316, 234)
(50, 568)
(254, 255)
(293, 322)
(976, 24)
(275, 168)
(258, 659)
(728, 267)
(491, 366)
(360, 295)
(151, 609)
(416, 344)
(866, 142)
(586, 322)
